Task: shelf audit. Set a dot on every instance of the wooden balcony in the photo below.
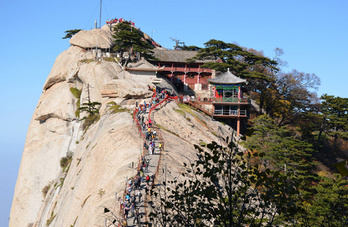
(230, 113)
(219, 113)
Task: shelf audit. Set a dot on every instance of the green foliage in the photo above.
(65, 161)
(70, 33)
(190, 48)
(180, 112)
(239, 61)
(129, 39)
(109, 59)
(114, 108)
(187, 109)
(221, 189)
(46, 189)
(62, 179)
(329, 206)
(92, 110)
(90, 119)
(335, 116)
(90, 107)
(282, 150)
(49, 221)
(77, 94)
(87, 60)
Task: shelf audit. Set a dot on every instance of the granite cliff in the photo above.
(102, 154)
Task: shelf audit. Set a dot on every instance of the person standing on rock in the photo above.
(150, 149)
(147, 180)
(141, 174)
(132, 209)
(160, 146)
(146, 166)
(137, 217)
(126, 211)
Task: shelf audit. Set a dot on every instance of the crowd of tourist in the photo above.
(136, 185)
(115, 20)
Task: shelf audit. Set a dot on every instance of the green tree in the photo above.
(261, 90)
(335, 117)
(228, 55)
(77, 94)
(221, 189)
(70, 33)
(92, 110)
(190, 48)
(282, 150)
(329, 205)
(131, 40)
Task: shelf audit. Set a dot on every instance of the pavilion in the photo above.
(228, 100)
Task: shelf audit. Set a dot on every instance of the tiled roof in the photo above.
(227, 78)
(176, 55)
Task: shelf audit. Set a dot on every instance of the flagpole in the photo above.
(100, 13)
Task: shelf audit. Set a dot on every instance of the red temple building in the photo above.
(187, 77)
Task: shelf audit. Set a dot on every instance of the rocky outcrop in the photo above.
(100, 38)
(54, 129)
(103, 154)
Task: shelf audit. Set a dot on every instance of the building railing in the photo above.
(231, 112)
(231, 99)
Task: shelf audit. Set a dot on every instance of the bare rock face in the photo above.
(93, 38)
(66, 64)
(54, 130)
(98, 171)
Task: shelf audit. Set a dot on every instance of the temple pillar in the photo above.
(238, 126)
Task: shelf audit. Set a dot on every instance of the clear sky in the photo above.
(313, 35)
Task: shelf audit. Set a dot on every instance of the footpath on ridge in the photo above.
(134, 203)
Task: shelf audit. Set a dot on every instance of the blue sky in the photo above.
(313, 35)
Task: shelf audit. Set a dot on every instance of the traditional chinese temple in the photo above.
(227, 101)
(220, 96)
(186, 77)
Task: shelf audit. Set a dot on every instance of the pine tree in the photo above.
(129, 39)
(282, 150)
(335, 117)
(235, 58)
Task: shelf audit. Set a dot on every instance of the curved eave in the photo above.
(216, 82)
